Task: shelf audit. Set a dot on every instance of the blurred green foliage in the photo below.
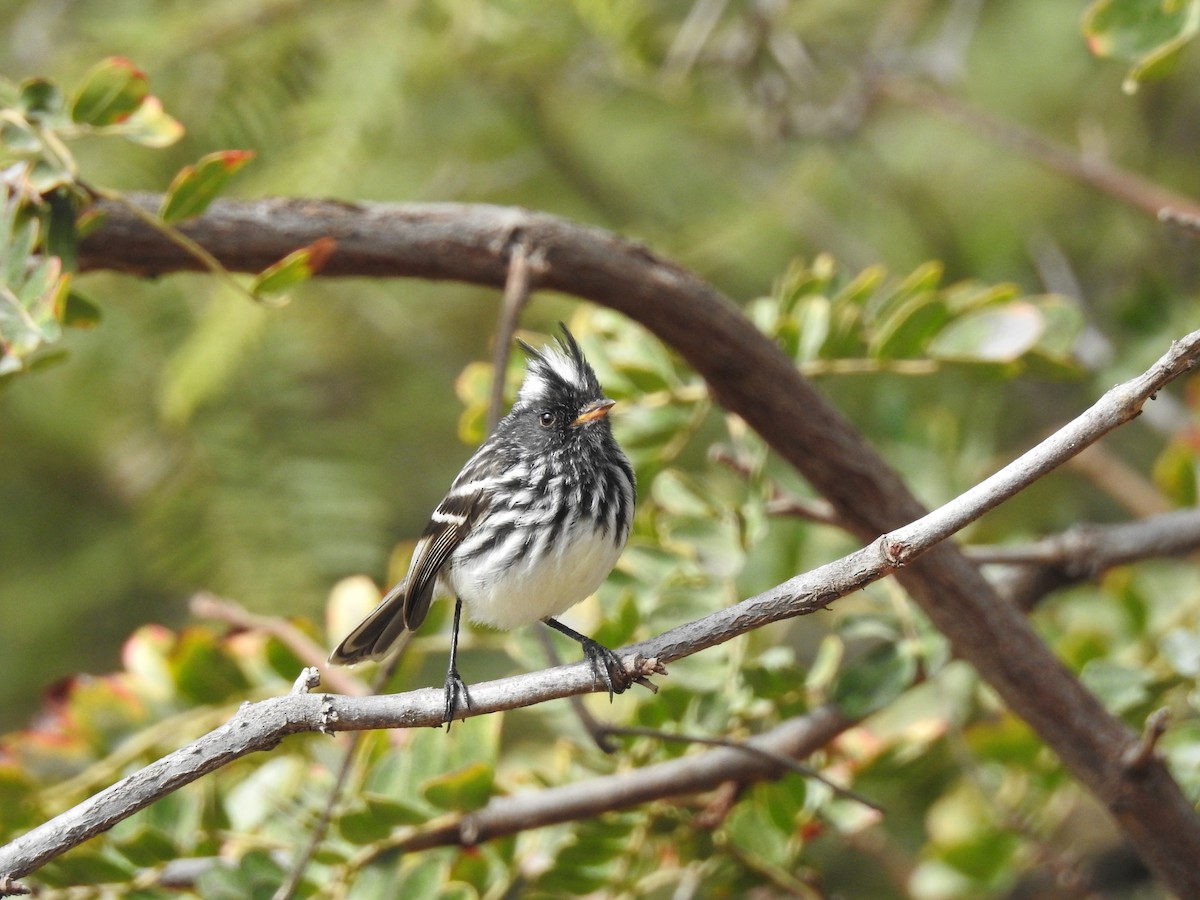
(195, 440)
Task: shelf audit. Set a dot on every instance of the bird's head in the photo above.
(560, 401)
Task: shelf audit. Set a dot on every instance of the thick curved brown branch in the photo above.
(749, 376)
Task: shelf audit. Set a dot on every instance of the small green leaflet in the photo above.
(111, 91)
(293, 269)
(194, 187)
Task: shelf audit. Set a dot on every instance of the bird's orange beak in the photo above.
(592, 411)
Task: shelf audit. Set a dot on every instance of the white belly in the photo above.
(536, 585)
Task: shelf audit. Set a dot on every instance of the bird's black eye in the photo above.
(547, 419)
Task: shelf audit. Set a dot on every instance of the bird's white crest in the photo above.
(550, 363)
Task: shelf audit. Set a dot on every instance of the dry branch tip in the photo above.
(309, 678)
(1141, 754)
(10, 887)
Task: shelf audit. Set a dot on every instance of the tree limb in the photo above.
(1035, 569)
(749, 376)
(794, 738)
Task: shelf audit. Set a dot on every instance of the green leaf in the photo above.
(389, 809)
(111, 91)
(20, 334)
(752, 828)
(1181, 744)
(873, 681)
(295, 268)
(40, 100)
(1005, 739)
(464, 790)
(824, 667)
(678, 495)
(994, 335)
(358, 826)
(221, 882)
(149, 125)
(906, 330)
(1175, 472)
(1181, 648)
(40, 284)
(424, 878)
(85, 866)
(256, 875)
(17, 242)
(62, 236)
(985, 856)
(147, 847)
(194, 187)
(1120, 688)
(203, 671)
(46, 175)
(813, 321)
(1147, 33)
(375, 816)
(1064, 322)
(76, 311)
(588, 863)
(17, 138)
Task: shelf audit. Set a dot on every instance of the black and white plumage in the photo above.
(532, 525)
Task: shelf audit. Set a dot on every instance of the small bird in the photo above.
(533, 523)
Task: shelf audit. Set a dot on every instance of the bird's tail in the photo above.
(377, 634)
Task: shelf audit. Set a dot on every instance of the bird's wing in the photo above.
(404, 607)
(448, 527)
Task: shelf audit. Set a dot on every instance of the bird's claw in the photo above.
(607, 667)
(457, 697)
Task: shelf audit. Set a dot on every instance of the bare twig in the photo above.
(10, 887)
(1121, 184)
(1086, 550)
(1034, 570)
(516, 295)
(1139, 756)
(766, 753)
(1188, 222)
(690, 39)
(706, 771)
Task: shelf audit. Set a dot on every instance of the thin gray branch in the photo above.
(1088, 549)
(1031, 571)
(516, 295)
(749, 376)
(794, 738)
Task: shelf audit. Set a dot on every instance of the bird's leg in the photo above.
(456, 688)
(606, 665)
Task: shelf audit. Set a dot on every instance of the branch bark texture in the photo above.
(748, 375)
